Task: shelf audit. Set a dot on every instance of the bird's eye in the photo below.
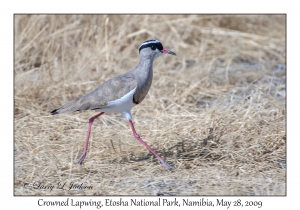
(153, 47)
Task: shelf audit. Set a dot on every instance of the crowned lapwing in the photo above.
(121, 93)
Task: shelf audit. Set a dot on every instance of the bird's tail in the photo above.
(78, 104)
(55, 111)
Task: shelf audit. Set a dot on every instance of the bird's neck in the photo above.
(144, 70)
(143, 74)
(145, 64)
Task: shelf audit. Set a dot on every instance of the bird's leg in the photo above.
(81, 159)
(148, 147)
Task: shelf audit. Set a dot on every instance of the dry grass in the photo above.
(216, 111)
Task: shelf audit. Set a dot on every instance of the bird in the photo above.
(121, 93)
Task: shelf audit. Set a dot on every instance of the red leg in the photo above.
(81, 159)
(148, 147)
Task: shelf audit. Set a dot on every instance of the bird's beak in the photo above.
(165, 51)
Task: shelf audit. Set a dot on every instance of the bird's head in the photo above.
(152, 49)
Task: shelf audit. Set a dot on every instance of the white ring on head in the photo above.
(150, 42)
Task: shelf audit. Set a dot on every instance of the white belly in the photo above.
(122, 105)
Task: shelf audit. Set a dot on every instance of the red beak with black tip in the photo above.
(165, 51)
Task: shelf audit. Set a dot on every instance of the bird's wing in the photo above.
(111, 90)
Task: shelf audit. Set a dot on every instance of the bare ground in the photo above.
(216, 111)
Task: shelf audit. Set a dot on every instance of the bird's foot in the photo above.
(81, 159)
(167, 165)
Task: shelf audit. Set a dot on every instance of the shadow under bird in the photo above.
(121, 93)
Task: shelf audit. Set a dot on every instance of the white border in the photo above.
(166, 6)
